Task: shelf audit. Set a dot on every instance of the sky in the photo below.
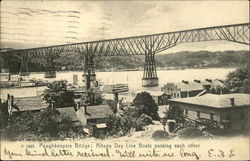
(28, 24)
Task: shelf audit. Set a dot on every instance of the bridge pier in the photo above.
(50, 72)
(89, 75)
(150, 82)
(4, 66)
(24, 70)
(150, 78)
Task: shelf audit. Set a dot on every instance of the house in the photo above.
(93, 115)
(230, 110)
(14, 106)
(78, 115)
(160, 98)
(70, 113)
(22, 104)
(190, 89)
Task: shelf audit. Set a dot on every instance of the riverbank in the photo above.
(131, 78)
(129, 70)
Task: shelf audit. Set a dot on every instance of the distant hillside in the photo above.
(185, 59)
(203, 59)
(180, 59)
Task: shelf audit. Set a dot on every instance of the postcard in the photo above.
(124, 80)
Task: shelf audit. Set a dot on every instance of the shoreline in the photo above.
(133, 70)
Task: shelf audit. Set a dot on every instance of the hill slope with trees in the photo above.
(184, 59)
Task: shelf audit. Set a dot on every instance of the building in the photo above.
(232, 111)
(22, 104)
(160, 98)
(190, 89)
(93, 115)
(70, 113)
(78, 115)
(81, 116)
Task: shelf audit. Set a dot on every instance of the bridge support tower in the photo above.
(24, 70)
(4, 66)
(50, 68)
(150, 78)
(89, 75)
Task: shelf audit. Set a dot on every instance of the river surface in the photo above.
(132, 78)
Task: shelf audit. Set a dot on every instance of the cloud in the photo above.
(71, 37)
(74, 21)
(24, 13)
(72, 32)
(72, 26)
(75, 12)
(73, 16)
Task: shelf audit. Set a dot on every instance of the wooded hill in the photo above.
(183, 59)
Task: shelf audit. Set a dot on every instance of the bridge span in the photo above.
(147, 45)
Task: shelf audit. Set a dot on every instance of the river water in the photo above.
(132, 78)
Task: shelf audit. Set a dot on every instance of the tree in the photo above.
(91, 97)
(239, 81)
(176, 114)
(44, 125)
(134, 112)
(3, 120)
(21, 126)
(49, 122)
(41, 124)
(58, 94)
(54, 124)
(150, 108)
(114, 124)
(219, 89)
(144, 120)
(136, 118)
(4, 115)
(112, 105)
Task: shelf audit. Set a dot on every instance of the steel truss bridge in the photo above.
(147, 45)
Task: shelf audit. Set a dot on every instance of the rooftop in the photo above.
(217, 101)
(29, 103)
(69, 112)
(195, 85)
(96, 112)
(191, 86)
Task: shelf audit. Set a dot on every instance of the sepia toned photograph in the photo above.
(124, 80)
